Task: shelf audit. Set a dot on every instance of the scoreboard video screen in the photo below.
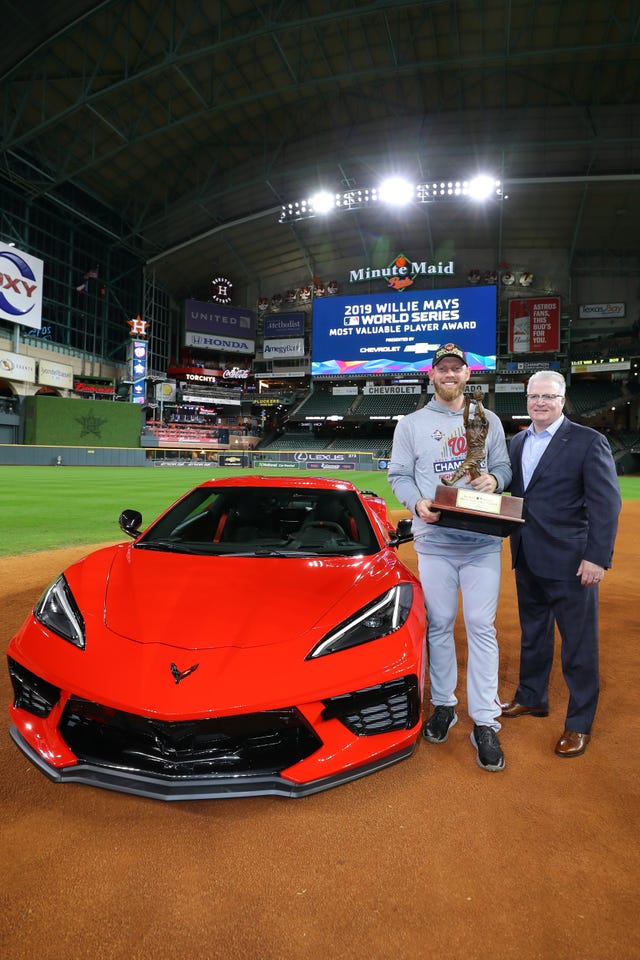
(379, 334)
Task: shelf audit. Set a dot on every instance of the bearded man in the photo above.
(429, 446)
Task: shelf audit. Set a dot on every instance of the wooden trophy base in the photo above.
(464, 508)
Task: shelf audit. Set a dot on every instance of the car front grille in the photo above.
(266, 742)
(390, 706)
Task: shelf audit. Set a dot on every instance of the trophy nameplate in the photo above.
(469, 509)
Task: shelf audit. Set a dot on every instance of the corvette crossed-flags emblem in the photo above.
(179, 675)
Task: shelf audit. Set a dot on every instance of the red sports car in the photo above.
(260, 637)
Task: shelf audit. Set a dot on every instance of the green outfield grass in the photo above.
(43, 508)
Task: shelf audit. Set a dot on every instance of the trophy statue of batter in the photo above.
(463, 507)
(476, 427)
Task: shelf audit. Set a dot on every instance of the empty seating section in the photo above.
(389, 405)
(511, 405)
(586, 397)
(322, 404)
(374, 445)
(299, 441)
(630, 439)
(177, 434)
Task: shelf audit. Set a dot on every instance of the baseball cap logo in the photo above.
(449, 350)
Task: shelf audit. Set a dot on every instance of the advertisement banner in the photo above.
(214, 318)
(52, 374)
(93, 386)
(216, 341)
(283, 325)
(372, 391)
(534, 325)
(13, 366)
(20, 287)
(601, 310)
(326, 461)
(388, 334)
(139, 371)
(282, 348)
(166, 391)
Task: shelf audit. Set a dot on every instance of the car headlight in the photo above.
(57, 610)
(378, 619)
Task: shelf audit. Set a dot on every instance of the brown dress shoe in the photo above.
(514, 709)
(572, 744)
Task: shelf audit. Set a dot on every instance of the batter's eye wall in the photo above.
(81, 423)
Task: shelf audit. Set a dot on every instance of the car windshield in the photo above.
(264, 522)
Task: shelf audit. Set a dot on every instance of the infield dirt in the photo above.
(430, 857)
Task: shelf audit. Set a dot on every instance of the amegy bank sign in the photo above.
(20, 287)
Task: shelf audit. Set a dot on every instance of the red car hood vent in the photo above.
(214, 602)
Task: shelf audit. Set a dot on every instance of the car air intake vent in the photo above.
(31, 692)
(265, 742)
(381, 709)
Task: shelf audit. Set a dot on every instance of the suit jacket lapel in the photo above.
(515, 454)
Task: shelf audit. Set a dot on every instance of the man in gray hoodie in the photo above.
(428, 446)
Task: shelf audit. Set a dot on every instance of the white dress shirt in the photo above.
(534, 446)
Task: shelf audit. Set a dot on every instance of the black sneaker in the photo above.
(489, 751)
(436, 729)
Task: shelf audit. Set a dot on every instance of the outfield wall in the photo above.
(47, 456)
(88, 423)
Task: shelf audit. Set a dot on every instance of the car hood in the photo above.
(212, 602)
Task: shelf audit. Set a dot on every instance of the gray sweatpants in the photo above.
(477, 576)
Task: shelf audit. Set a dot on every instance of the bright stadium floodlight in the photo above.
(322, 202)
(482, 187)
(396, 192)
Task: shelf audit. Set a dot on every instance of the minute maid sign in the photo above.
(401, 272)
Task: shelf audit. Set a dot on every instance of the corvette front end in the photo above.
(182, 672)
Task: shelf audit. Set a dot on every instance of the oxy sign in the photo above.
(20, 287)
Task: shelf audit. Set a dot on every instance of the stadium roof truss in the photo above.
(180, 129)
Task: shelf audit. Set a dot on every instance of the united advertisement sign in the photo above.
(212, 326)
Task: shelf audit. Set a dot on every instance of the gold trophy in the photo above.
(466, 508)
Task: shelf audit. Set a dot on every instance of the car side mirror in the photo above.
(130, 521)
(403, 533)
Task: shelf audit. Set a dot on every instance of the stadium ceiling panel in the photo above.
(188, 125)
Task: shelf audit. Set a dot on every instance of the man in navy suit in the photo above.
(567, 477)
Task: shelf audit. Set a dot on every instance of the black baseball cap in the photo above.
(449, 350)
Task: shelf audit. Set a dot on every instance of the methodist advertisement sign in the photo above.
(283, 325)
(387, 334)
(20, 287)
(212, 326)
(534, 325)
